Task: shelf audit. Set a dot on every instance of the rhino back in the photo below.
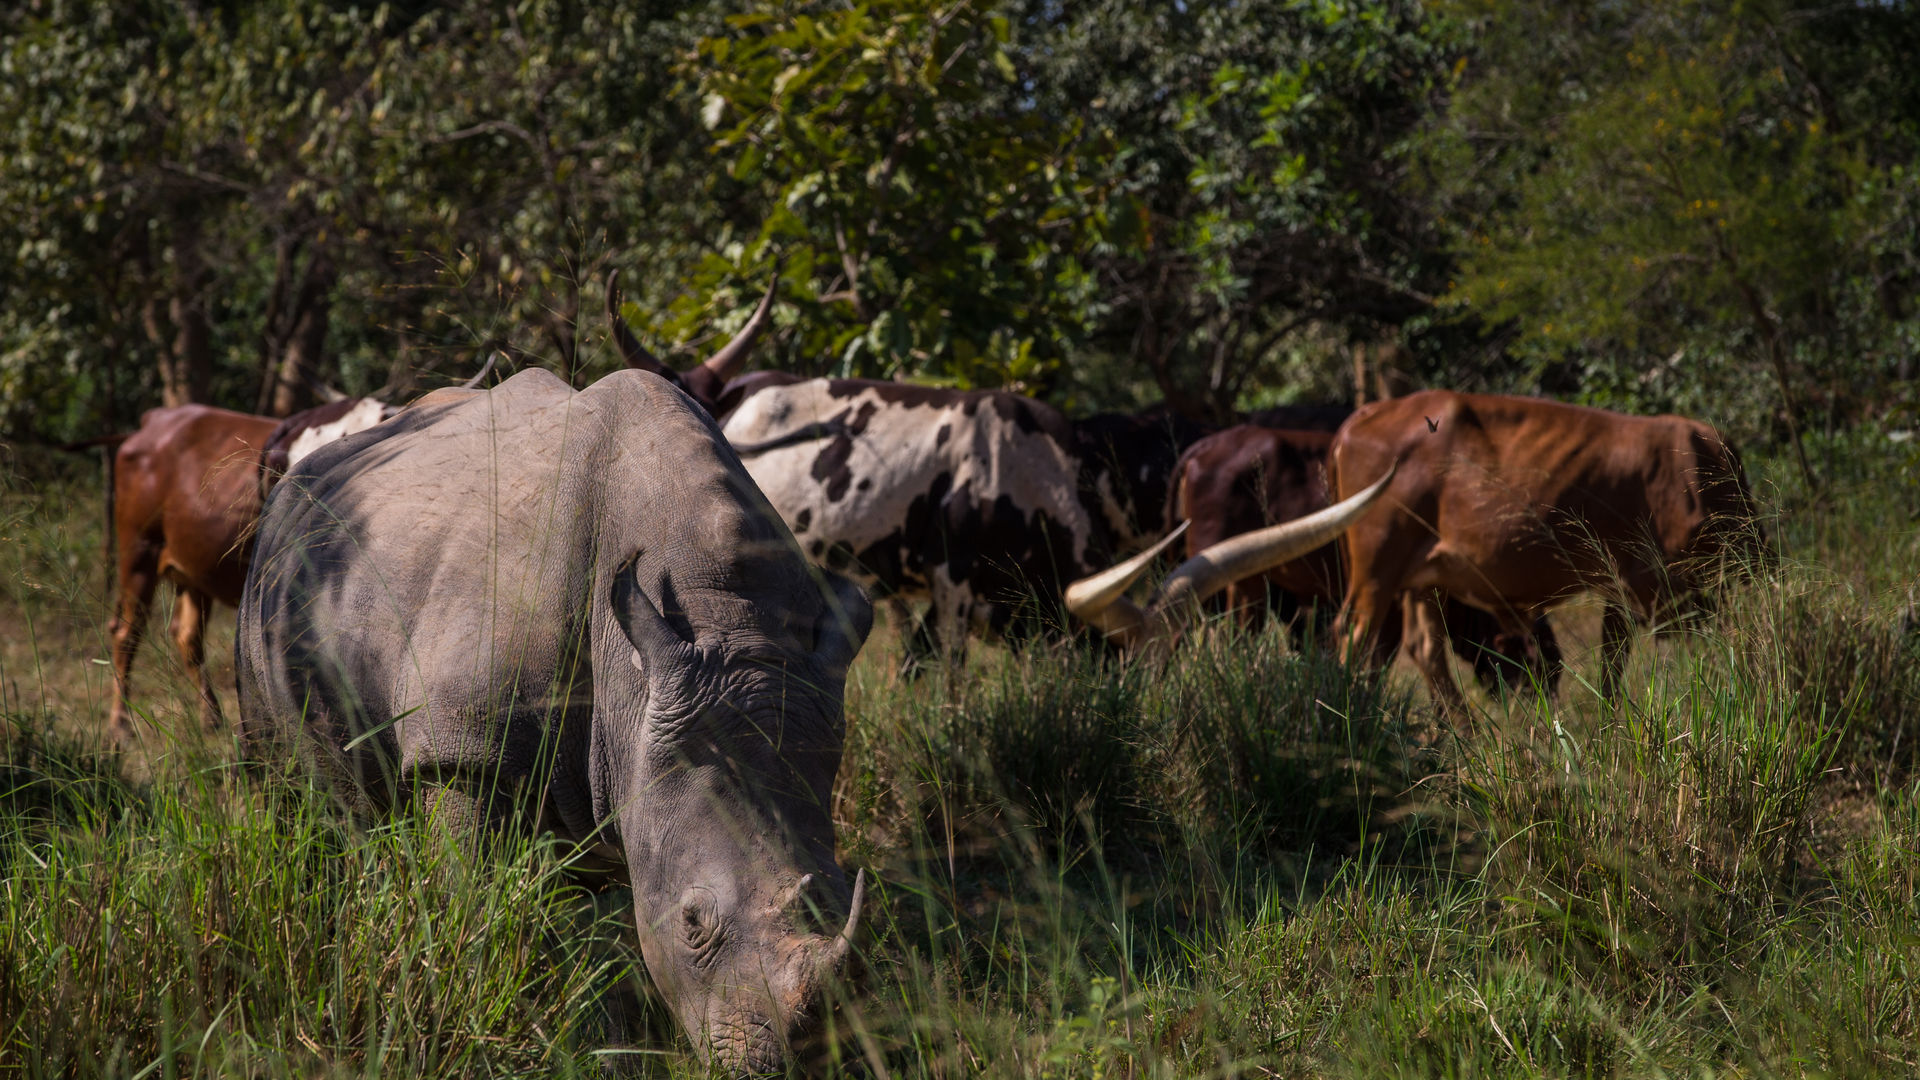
(450, 569)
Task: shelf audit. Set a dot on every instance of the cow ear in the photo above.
(841, 629)
(661, 648)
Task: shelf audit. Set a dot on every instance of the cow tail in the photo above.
(110, 444)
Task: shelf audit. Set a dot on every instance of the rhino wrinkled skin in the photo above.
(578, 605)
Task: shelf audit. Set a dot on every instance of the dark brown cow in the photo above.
(1515, 504)
(1249, 477)
(1246, 478)
(1128, 461)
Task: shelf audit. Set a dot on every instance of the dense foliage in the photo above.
(1707, 206)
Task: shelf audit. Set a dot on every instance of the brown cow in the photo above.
(1249, 477)
(1515, 504)
(183, 495)
(184, 492)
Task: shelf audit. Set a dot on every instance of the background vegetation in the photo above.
(1706, 206)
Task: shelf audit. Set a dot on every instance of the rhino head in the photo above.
(744, 918)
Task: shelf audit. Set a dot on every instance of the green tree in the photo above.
(1702, 180)
(932, 224)
(1266, 152)
(230, 204)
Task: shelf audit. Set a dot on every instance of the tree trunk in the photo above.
(306, 339)
(273, 329)
(178, 326)
(1770, 336)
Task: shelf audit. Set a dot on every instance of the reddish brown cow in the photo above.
(185, 492)
(183, 495)
(1515, 504)
(1250, 477)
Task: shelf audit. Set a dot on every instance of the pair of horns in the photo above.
(724, 364)
(1101, 602)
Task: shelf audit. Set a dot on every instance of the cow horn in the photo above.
(733, 355)
(484, 369)
(841, 947)
(635, 353)
(1099, 599)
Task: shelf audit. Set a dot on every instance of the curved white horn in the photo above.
(1100, 600)
(1261, 550)
(842, 945)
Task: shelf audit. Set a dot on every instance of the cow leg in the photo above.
(916, 636)
(1305, 619)
(191, 610)
(1237, 603)
(139, 575)
(1500, 645)
(1363, 627)
(1616, 637)
(949, 619)
(1427, 646)
(1250, 602)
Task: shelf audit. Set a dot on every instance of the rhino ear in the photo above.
(842, 628)
(661, 648)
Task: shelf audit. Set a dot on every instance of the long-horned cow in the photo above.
(577, 609)
(975, 501)
(1249, 477)
(1515, 504)
(183, 493)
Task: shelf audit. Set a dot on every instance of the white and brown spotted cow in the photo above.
(976, 501)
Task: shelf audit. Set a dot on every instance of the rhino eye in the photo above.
(696, 925)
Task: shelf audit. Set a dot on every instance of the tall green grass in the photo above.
(1246, 862)
(207, 924)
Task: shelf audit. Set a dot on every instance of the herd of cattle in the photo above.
(630, 609)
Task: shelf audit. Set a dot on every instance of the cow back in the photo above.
(905, 486)
(1544, 497)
